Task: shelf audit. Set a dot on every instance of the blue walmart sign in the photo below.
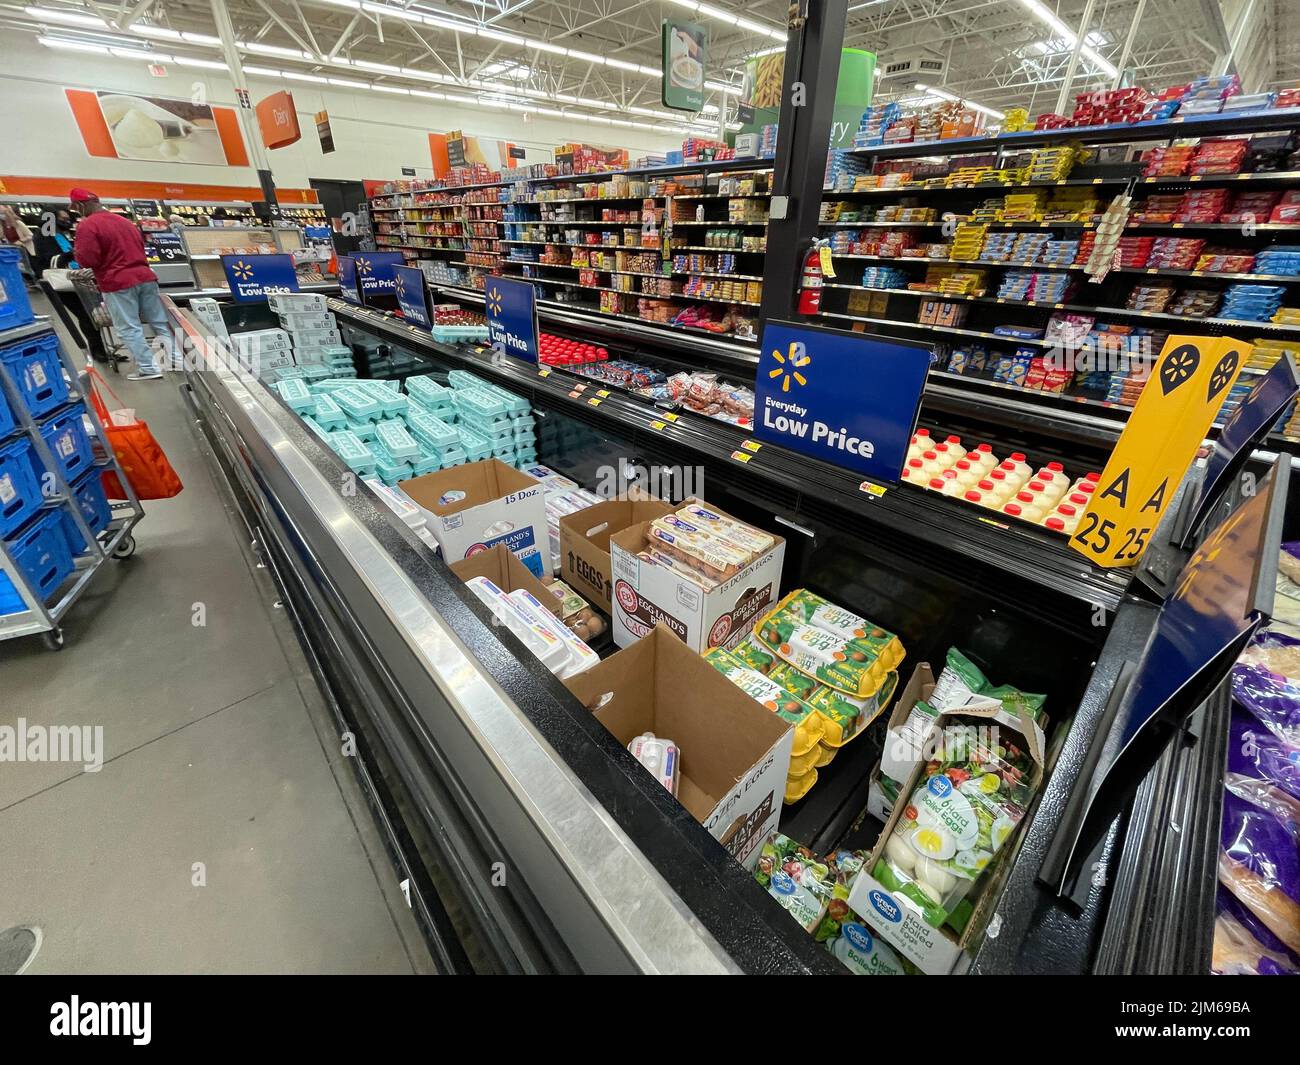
(254, 277)
(849, 399)
(512, 317)
(411, 296)
(348, 279)
(375, 271)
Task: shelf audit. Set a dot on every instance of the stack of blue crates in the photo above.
(42, 539)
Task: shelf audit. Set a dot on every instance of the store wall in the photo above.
(375, 134)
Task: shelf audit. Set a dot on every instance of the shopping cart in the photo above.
(83, 283)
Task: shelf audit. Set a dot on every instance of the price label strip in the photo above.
(1174, 412)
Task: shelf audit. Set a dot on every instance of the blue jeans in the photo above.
(131, 307)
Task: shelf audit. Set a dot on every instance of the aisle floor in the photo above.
(225, 831)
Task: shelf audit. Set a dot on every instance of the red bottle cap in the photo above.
(1092, 478)
(1088, 487)
(974, 496)
(1078, 498)
(986, 485)
(937, 484)
(998, 475)
(985, 448)
(1055, 467)
(1013, 509)
(1037, 486)
(1055, 523)
(914, 463)
(1024, 497)
(931, 455)
(1067, 510)
(953, 440)
(961, 464)
(1017, 456)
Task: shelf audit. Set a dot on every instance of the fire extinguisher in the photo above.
(810, 285)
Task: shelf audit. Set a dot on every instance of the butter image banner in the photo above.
(1174, 412)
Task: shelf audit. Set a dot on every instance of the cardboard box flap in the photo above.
(499, 565)
(462, 487)
(598, 522)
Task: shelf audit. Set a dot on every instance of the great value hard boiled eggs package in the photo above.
(965, 800)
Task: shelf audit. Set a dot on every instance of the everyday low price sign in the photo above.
(849, 399)
(1168, 424)
(375, 271)
(512, 317)
(411, 296)
(254, 277)
(348, 279)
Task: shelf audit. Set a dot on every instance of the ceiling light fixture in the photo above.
(1046, 15)
(71, 18)
(944, 94)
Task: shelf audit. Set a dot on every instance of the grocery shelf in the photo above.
(1284, 176)
(953, 262)
(716, 223)
(566, 244)
(950, 330)
(589, 199)
(728, 251)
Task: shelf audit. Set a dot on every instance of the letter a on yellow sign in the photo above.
(1168, 424)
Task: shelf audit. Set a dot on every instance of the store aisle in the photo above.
(224, 831)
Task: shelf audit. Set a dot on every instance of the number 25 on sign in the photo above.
(1168, 424)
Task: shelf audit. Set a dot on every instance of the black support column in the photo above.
(812, 70)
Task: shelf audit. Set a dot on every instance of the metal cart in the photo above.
(115, 540)
(83, 283)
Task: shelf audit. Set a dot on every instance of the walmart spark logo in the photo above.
(401, 287)
(494, 301)
(789, 365)
(364, 265)
(243, 270)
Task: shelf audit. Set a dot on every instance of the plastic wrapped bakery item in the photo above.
(794, 876)
(1251, 934)
(1271, 696)
(1238, 952)
(968, 803)
(1259, 860)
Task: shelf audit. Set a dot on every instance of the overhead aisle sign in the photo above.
(1174, 412)
(411, 296)
(254, 277)
(512, 317)
(849, 399)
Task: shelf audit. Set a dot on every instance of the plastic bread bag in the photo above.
(795, 878)
(1288, 560)
(1260, 684)
(972, 797)
(1259, 859)
(1243, 945)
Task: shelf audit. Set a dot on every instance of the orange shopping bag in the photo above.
(142, 460)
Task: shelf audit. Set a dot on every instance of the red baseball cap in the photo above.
(80, 195)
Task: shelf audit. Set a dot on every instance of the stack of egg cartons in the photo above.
(500, 417)
(430, 418)
(306, 317)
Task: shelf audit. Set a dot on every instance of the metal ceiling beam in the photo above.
(271, 13)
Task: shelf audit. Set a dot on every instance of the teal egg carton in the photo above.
(453, 456)
(524, 459)
(358, 404)
(529, 439)
(430, 430)
(352, 450)
(335, 351)
(396, 440)
(479, 406)
(516, 405)
(455, 334)
(428, 393)
(288, 373)
(524, 422)
(425, 462)
(328, 413)
(476, 445)
(500, 433)
(459, 379)
(364, 430)
(312, 374)
(506, 453)
(296, 395)
(390, 469)
(390, 400)
(333, 384)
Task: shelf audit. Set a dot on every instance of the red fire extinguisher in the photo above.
(810, 285)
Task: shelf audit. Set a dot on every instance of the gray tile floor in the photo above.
(216, 751)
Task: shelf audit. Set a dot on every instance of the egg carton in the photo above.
(358, 403)
(477, 447)
(328, 413)
(333, 384)
(352, 450)
(430, 430)
(425, 462)
(428, 393)
(396, 440)
(453, 456)
(296, 395)
(479, 406)
(366, 431)
(390, 402)
(390, 469)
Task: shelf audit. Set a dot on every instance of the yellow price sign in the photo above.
(828, 268)
(750, 445)
(1168, 424)
(741, 456)
(659, 425)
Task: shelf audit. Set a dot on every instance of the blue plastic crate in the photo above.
(65, 436)
(20, 490)
(7, 422)
(15, 307)
(42, 554)
(37, 371)
(93, 503)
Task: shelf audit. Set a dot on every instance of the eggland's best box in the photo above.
(474, 507)
(646, 594)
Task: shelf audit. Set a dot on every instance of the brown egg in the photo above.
(581, 631)
(595, 624)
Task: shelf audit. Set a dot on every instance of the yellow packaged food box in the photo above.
(797, 787)
(808, 723)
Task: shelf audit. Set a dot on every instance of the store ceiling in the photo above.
(998, 53)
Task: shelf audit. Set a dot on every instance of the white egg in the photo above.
(932, 873)
(900, 854)
(929, 892)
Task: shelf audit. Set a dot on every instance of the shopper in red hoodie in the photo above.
(112, 248)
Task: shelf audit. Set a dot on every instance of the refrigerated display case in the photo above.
(1013, 597)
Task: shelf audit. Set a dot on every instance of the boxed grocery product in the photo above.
(733, 752)
(472, 507)
(964, 804)
(706, 589)
(906, 730)
(584, 542)
(499, 565)
(208, 311)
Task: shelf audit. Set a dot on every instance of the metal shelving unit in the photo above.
(116, 540)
